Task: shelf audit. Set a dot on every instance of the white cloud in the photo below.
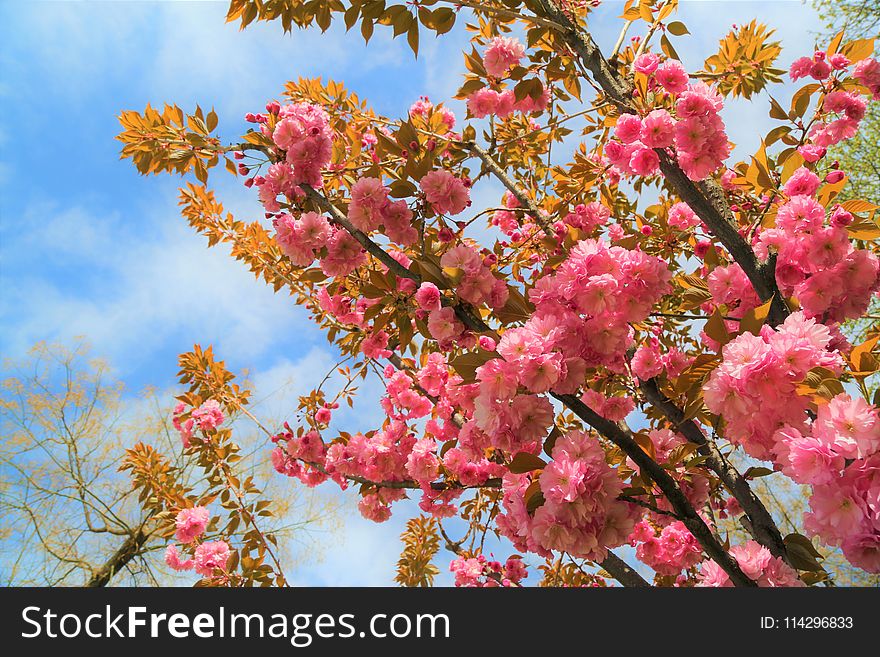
(134, 293)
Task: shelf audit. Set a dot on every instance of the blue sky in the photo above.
(90, 248)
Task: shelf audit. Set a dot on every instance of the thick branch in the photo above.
(762, 525)
(621, 571)
(623, 438)
(127, 551)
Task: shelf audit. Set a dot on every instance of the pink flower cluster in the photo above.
(446, 193)
(477, 284)
(303, 239)
(697, 134)
(756, 563)
(846, 511)
(867, 72)
(303, 131)
(667, 551)
(681, 217)
(209, 557)
(478, 572)
(730, 287)
(816, 262)
(486, 101)
(755, 387)
(206, 417)
(587, 217)
(583, 314)
(818, 67)
(502, 54)
(841, 111)
(839, 455)
(191, 523)
(611, 408)
(838, 452)
(371, 208)
(580, 513)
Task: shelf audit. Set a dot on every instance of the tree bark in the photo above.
(126, 552)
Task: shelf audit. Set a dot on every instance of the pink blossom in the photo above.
(501, 54)
(428, 296)
(802, 182)
(191, 523)
(645, 162)
(646, 63)
(211, 556)
(811, 152)
(628, 128)
(682, 217)
(646, 363)
(672, 76)
(172, 558)
(446, 193)
(443, 324)
(850, 426)
(483, 102)
(657, 129)
(208, 416)
(375, 345)
(867, 71)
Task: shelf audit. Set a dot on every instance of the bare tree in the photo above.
(69, 516)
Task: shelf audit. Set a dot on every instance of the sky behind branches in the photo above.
(90, 248)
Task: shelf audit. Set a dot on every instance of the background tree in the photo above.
(70, 516)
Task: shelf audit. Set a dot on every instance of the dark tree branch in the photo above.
(762, 526)
(126, 552)
(623, 438)
(622, 572)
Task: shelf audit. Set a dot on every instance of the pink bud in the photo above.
(273, 107)
(487, 343)
(249, 182)
(841, 217)
(834, 177)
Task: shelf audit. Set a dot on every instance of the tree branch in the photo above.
(622, 572)
(623, 438)
(126, 552)
(762, 526)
